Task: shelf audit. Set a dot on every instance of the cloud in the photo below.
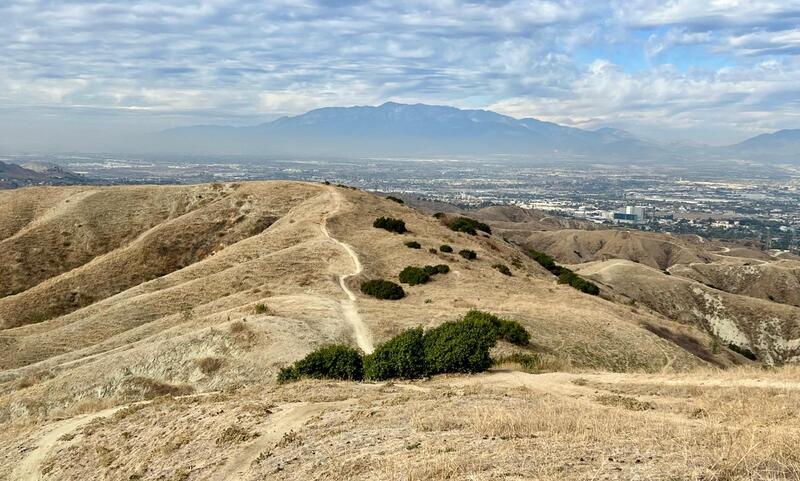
(699, 63)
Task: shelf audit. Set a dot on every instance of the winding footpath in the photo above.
(348, 306)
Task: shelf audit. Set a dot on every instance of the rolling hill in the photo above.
(142, 329)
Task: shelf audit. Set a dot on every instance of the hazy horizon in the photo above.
(87, 75)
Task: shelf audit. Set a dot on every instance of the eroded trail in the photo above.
(290, 418)
(30, 469)
(348, 306)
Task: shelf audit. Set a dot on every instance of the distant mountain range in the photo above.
(394, 129)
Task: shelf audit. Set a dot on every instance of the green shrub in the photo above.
(438, 215)
(544, 260)
(430, 270)
(460, 346)
(568, 277)
(432, 250)
(445, 248)
(511, 331)
(395, 199)
(470, 226)
(390, 224)
(442, 268)
(403, 356)
(503, 269)
(468, 254)
(382, 289)
(329, 362)
(414, 275)
(413, 245)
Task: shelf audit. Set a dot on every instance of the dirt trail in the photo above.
(349, 309)
(291, 418)
(30, 469)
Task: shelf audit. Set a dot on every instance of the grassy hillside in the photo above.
(147, 347)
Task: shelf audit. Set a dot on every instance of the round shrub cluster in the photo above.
(470, 255)
(330, 362)
(414, 275)
(382, 289)
(460, 346)
(445, 248)
(456, 346)
(511, 331)
(413, 245)
(470, 226)
(390, 224)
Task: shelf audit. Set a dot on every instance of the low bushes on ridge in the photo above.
(330, 362)
(453, 347)
(390, 224)
(382, 289)
(414, 275)
(467, 254)
(470, 226)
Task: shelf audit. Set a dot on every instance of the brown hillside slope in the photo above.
(122, 238)
(769, 329)
(197, 327)
(655, 250)
(778, 281)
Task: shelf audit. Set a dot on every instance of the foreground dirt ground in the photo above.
(504, 424)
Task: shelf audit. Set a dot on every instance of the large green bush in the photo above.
(460, 346)
(511, 331)
(329, 362)
(403, 356)
(382, 289)
(414, 275)
(390, 224)
(470, 226)
(456, 346)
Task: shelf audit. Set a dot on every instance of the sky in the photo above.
(78, 74)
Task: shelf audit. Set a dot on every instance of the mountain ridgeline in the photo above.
(394, 129)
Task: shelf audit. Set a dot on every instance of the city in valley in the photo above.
(750, 202)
